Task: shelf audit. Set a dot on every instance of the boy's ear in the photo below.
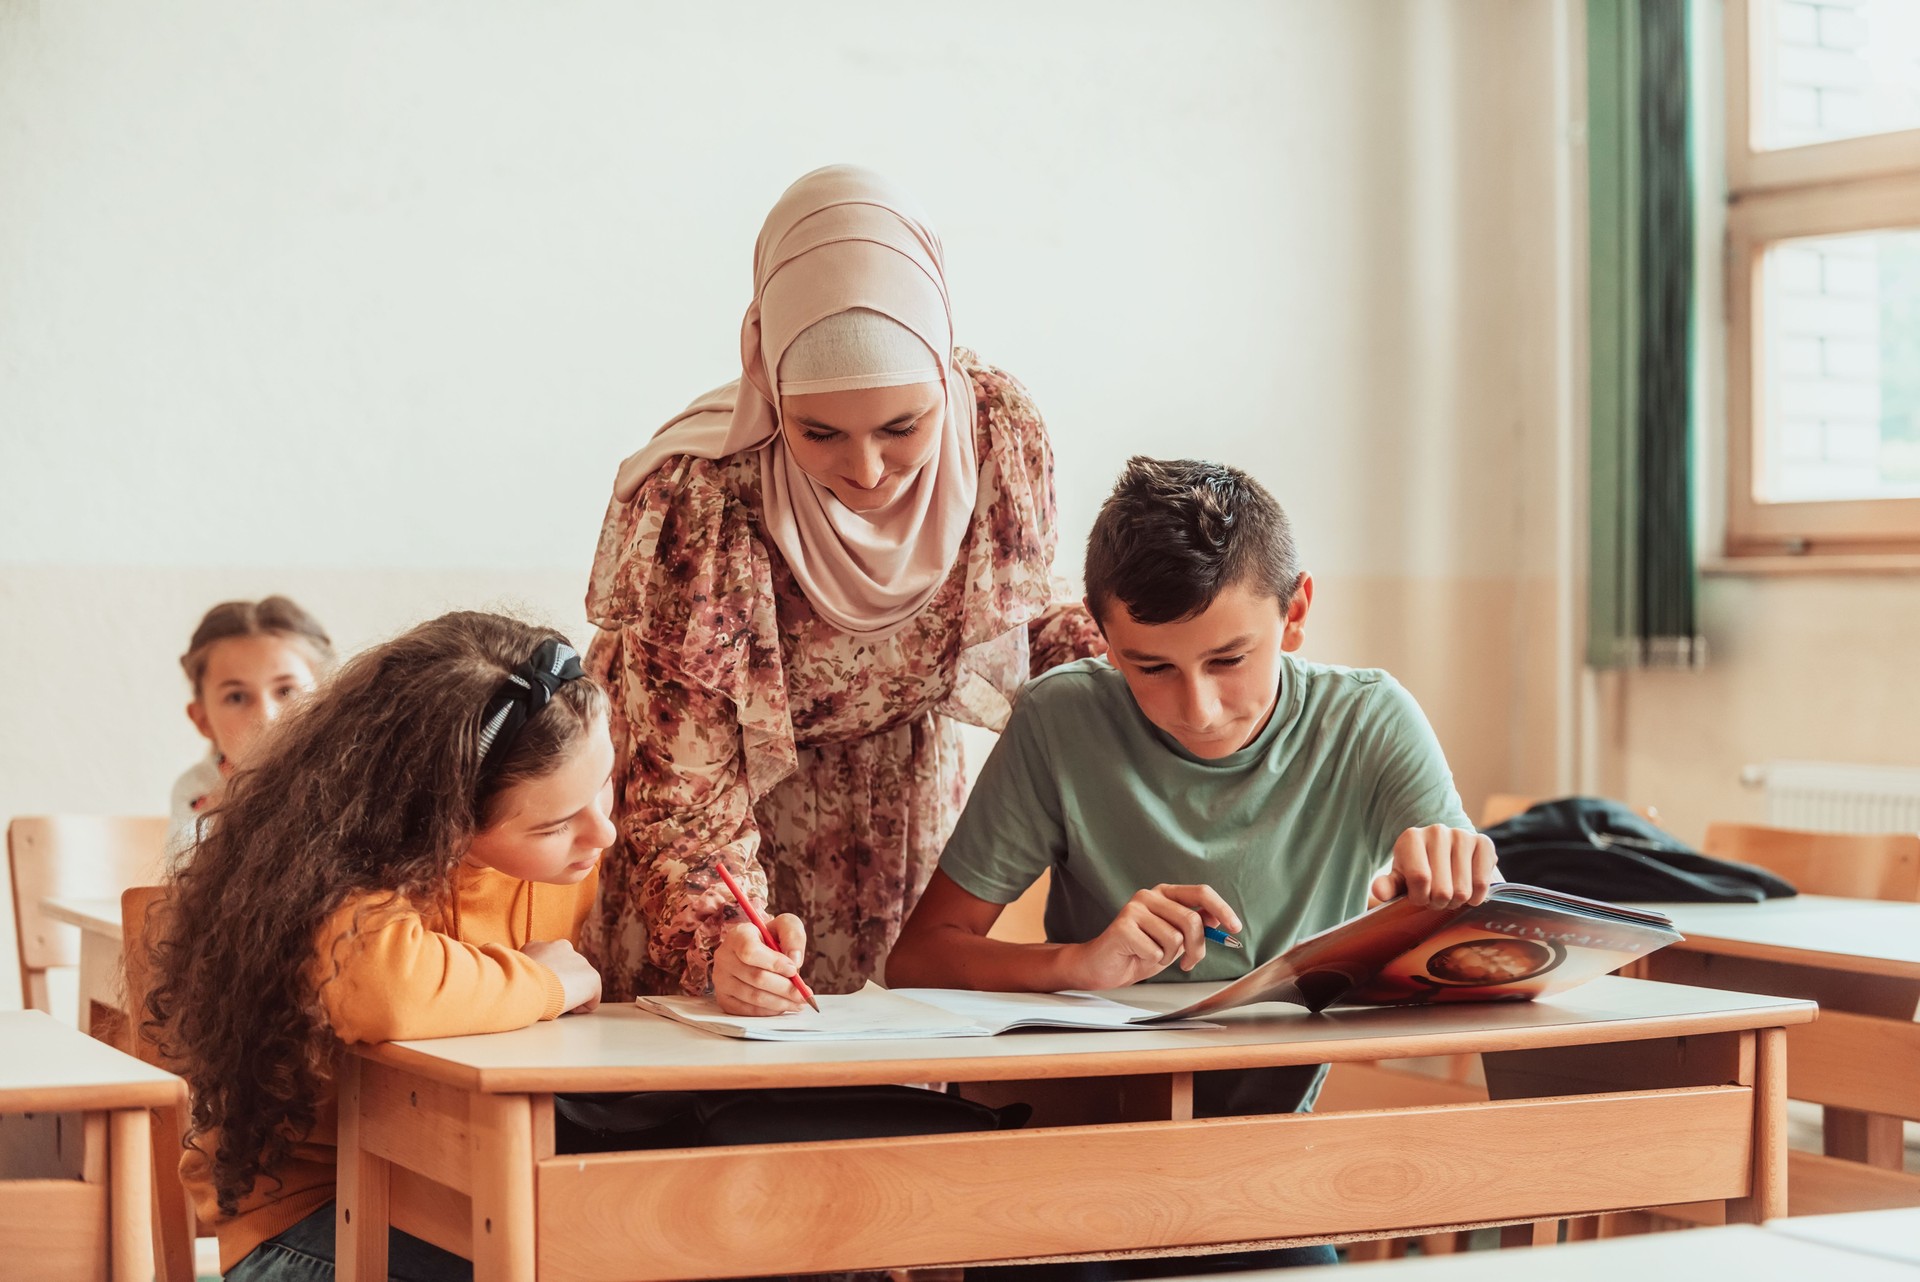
(198, 715)
(1294, 630)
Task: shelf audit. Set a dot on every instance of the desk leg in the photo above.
(1873, 1138)
(130, 1195)
(1768, 1197)
(360, 1215)
(503, 1156)
(1538, 1233)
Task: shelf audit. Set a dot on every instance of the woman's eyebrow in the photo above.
(898, 420)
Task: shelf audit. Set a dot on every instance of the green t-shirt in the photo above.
(1290, 829)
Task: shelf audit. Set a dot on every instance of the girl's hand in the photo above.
(579, 981)
(751, 979)
(1439, 867)
(1156, 927)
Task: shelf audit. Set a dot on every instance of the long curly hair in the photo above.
(373, 787)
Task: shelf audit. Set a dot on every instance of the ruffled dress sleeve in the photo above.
(689, 653)
(1020, 620)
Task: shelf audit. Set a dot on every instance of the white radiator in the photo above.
(1831, 797)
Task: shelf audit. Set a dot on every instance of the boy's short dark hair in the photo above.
(1174, 534)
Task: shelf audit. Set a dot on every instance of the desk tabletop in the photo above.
(1865, 936)
(622, 1048)
(96, 916)
(1738, 1251)
(1892, 1235)
(50, 1067)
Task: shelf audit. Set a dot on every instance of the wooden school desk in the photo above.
(1744, 1252)
(93, 1218)
(1891, 1235)
(1620, 1094)
(1860, 959)
(103, 996)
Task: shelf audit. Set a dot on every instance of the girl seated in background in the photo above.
(410, 854)
(246, 661)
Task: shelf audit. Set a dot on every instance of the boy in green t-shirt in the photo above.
(1197, 776)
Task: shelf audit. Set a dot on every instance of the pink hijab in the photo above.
(840, 238)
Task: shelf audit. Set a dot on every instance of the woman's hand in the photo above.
(579, 981)
(1156, 928)
(1439, 867)
(751, 979)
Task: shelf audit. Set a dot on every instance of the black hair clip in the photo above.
(527, 689)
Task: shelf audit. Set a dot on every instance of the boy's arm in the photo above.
(1013, 829)
(1437, 856)
(945, 944)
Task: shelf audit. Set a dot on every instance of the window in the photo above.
(1823, 276)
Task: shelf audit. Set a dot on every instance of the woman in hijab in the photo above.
(804, 583)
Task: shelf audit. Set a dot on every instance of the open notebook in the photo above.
(875, 1013)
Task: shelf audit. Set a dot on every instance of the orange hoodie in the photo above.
(404, 975)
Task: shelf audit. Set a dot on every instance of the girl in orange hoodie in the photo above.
(409, 854)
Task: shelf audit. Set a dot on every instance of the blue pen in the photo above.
(1220, 936)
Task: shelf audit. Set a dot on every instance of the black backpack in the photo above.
(1604, 850)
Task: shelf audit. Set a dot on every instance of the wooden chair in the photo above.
(77, 857)
(74, 1153)
(142, 914)
(1862, 1166)
(1850, 865)
(1024, 921)
(1502, 806)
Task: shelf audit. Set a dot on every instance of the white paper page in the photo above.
(1002, 1011)
(871, 1014)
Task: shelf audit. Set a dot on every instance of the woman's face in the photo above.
(865, 445)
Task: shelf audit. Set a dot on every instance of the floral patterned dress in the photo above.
(825, 765)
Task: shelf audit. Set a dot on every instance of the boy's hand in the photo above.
(751, 979)
(579, 981)
(1156, 927)
(1439, 867)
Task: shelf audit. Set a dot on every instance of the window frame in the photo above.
(1870, 183)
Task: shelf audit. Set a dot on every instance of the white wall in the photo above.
(1801, 668)
(365, 302)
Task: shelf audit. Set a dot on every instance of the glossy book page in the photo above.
(1523, 942)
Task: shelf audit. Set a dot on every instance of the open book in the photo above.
(875, 1013)
(1523, 942)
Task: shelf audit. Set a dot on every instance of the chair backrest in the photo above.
(77, 857)
(1502, 806)
(142, 915)
(1853, 865)
(1024, 921)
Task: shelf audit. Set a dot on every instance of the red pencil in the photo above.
(760, 924)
